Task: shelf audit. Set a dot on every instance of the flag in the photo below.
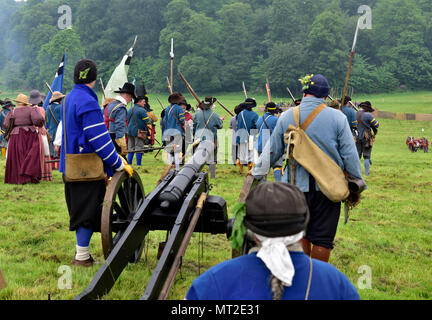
(119, 76)
(57, 84)
(134, 83)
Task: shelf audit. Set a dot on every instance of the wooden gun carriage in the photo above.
(180, 204)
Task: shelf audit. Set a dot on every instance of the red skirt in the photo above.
(23, 158)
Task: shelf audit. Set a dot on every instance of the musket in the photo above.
(352, 104)
(350, 64)
(225, 108)
(145, 150)
(291, 95)
(188, 86)
(160, 104)
(49, 88)
(268, 90)
(244, 90)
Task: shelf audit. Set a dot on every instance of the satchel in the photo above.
(328, 175)
(142, 134)
(81, 167)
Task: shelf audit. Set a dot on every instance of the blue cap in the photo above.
(316, 85)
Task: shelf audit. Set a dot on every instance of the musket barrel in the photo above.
(175, 191)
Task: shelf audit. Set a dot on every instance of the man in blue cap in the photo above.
(331, 132)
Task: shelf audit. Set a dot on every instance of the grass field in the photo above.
(389, 232)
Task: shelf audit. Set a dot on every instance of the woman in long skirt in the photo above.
(23, 154)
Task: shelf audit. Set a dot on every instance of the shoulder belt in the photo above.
(310, 118)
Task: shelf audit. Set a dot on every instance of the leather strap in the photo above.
(312, 116)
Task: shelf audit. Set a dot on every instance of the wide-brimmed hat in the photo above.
(22, 99)
(268, 214)
(367, 106)
(207, 103)
(7, 104)
(250, 103)
(127, 88)
(57, 96)
(176, 98)
(35, 97)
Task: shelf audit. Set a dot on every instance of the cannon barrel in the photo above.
(174, 192)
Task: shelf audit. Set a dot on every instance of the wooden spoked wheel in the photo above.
(123, 197)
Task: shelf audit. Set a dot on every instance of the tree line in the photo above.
(220, 43)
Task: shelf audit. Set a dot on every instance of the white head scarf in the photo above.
(276, 257)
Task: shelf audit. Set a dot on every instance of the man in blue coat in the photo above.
(266, 125)
(278, 269)
(331, 133)
(246, 129)
(138, 119)
(53, 118)
(349, 112)
(84, 132)
(116, 116)
(7, 106)
(173, 130)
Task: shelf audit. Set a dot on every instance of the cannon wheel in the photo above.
(123, 197)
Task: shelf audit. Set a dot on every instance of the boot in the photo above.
(250, 166)
(306, 246)
(320, 253)
(241, 168)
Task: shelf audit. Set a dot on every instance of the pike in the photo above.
(172, 64)
(350, 63)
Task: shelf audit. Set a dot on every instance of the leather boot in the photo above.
(306, 246)
(241, 168)
(320, 253)
(250, 166)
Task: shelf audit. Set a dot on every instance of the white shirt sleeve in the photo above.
(58, 137)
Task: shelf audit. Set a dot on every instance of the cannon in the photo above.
(180, 204)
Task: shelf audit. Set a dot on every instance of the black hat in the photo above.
(367, 106)
(127, 88)
(6, 103)
(271, 107)
(347, 99)
(176, 98)
(250, 103)
(141, 92)
(85, 71)
(276, 209)
(207, 103)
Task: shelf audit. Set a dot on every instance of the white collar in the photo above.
(121, 99)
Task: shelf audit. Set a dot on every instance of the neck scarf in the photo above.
(276, 257)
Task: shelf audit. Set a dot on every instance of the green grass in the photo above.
(389, 231)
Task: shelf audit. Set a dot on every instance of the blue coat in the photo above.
(141, 117)
(206, 120)
(118, 112)
(85, 129)
(50, 122)
(264, 131)
(246, 122)
(247, 278)
(351, 116)
(329, 131)
(170, 125)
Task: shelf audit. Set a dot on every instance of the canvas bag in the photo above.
(81, 167)
(328, 175)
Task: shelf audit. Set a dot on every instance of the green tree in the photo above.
(51, 53)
